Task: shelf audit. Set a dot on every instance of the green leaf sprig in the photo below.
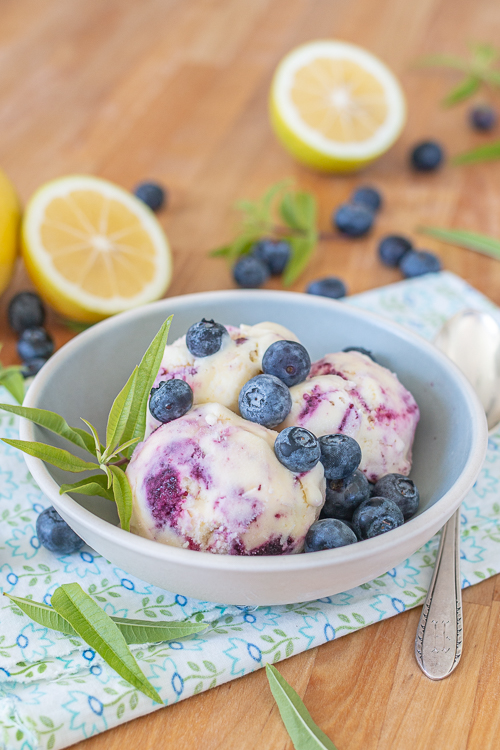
(480, 243)
(304, 733)
(296, 210)
(74, 612)
(477, 71)
(12, 380)
(126, 426)
(488, 152)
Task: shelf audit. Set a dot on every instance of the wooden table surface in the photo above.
(177, 90)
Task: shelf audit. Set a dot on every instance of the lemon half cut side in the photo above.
(334, 106)
(92, 249)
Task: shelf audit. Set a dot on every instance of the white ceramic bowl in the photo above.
(83, 378)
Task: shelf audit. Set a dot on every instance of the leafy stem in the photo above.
(477, 70)
(280, 214)
(125, 428)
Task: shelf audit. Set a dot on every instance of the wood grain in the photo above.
(176, 90)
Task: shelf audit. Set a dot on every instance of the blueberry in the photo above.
(249, 272)
(418, 262)
(353, 220)
(368, 197)
(401, 490)
(54, 533)
(288, 361)
(152, 194)
(426, 156)
(483, 117)
(273, 253)
(25, 310)
(266, 400)
(328, 533)
(361, 350)
(205, 338)
(392, 248)
(297, 449)
(35, 343)
(376, 516)
(170, 400)
(330, 286)
(344, 495)
(340, 455)
(32, 367)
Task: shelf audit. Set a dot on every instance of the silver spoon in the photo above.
(472, 340)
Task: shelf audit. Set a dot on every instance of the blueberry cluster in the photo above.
(355, 510)
(355, 219)
(267, 257)
(398, 251)
(26, 315)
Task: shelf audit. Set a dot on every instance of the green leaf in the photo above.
(144, 631)
(120, 412)
(492, 77)
(53, 422)
(55, 456)
(488, 152)
(443, 61)
(73, 325)
(101, 633)
(13, 382)
(123, 496)
(95, 485)
(298, 210)
(42, 614)
(464, 90)
(302, 249)
(220, 252)
(483, 54)
(481, 243)
(147, 371)
(304, 733)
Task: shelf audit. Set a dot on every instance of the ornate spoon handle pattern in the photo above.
(438, 644)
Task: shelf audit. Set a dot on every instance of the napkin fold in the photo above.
(55, 690)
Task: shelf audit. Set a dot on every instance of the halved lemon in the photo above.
(10, 214)
(92, 249)
(334, 106)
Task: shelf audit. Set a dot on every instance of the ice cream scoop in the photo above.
(219, 377)
(348, 392)
(210, 481)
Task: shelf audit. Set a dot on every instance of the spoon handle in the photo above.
(438, 644)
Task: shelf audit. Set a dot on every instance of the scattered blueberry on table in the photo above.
(249, 272)
(35, 343)
(54, 533)
(392, 247)
(287, 360)
(426, 156)
(375, 516)
(353, 220)
(419, 262)
(170, 400)
(275, 254)
(297, 449)
(152, 194)
(25, 310)
(205, 338)
(483, 117)
(367, 196)
(266, 400)
(330, 286)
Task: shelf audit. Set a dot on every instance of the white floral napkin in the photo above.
(55, 690)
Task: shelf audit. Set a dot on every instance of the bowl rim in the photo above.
(431, 519)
